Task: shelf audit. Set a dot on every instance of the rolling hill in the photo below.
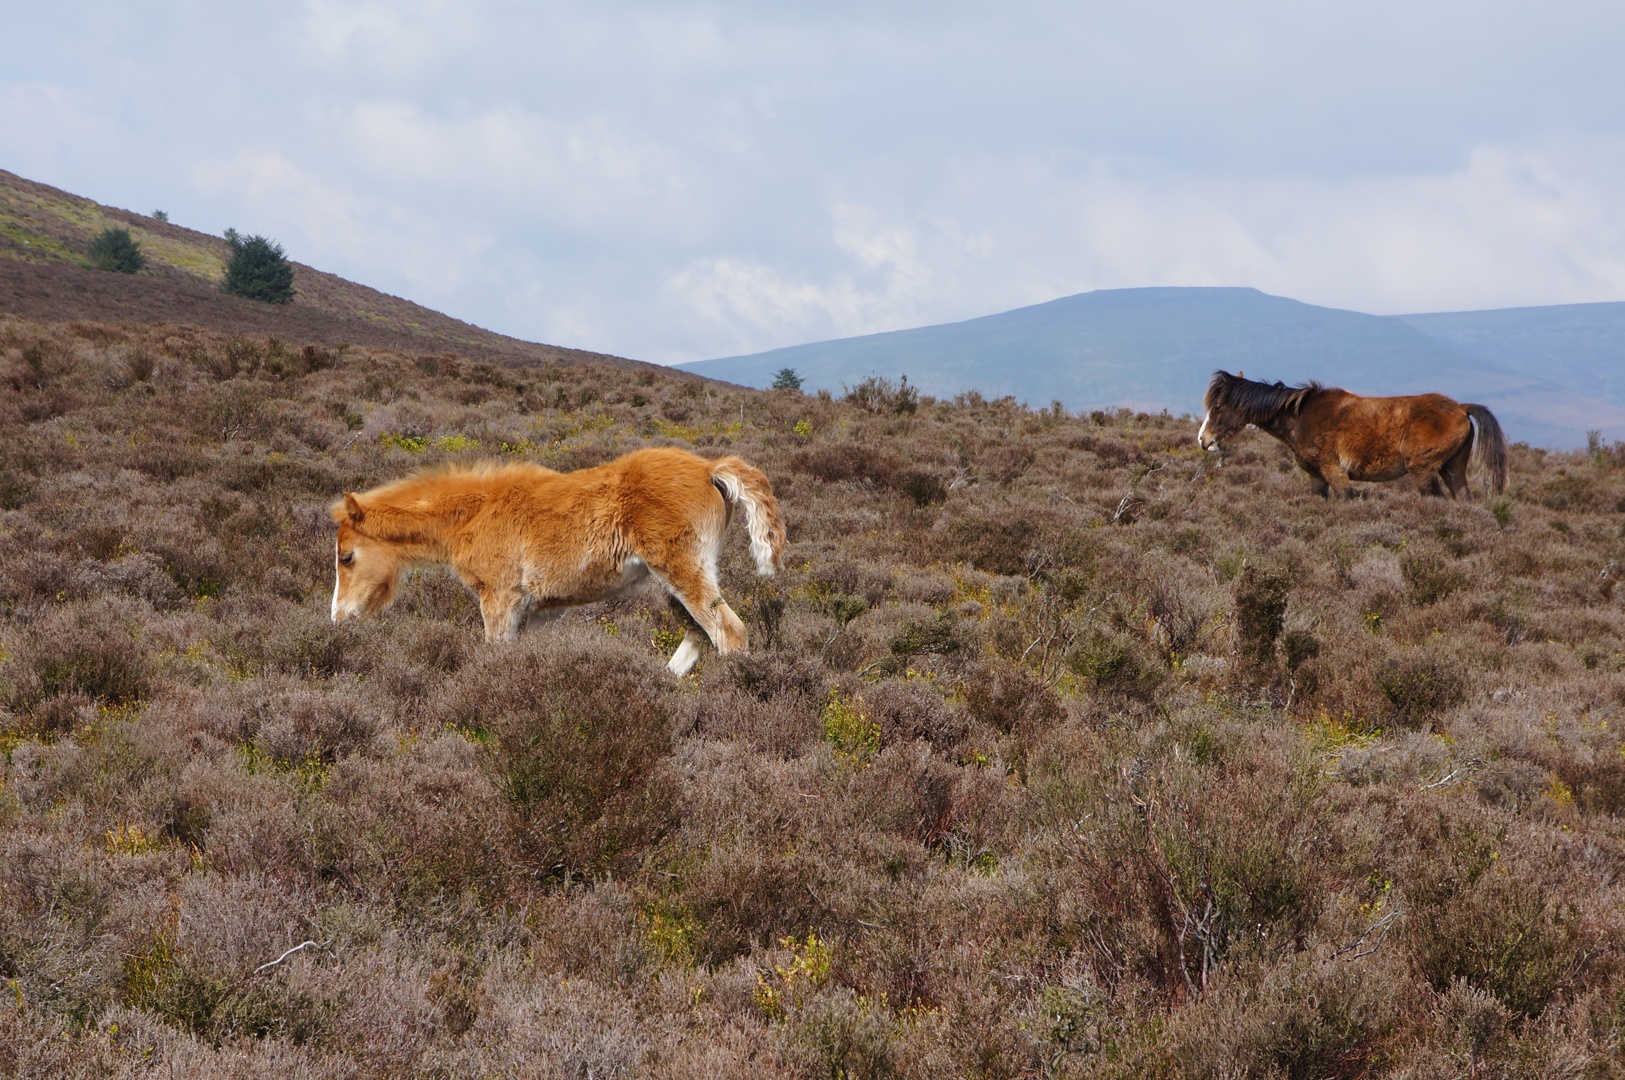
(1152, 349)
(44, 232)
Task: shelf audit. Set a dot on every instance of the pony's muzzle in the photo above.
(1203, 440)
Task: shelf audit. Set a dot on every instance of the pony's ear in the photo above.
(347, 509)
(1241, 374)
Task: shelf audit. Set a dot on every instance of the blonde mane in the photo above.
(437, 481)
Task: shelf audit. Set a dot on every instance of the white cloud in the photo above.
(395, 36)
(45, 128)
(587, 171)
(282, 196)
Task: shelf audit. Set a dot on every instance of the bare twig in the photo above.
(1380, 928)
(1450, 777)
(819, 900)
(290, 952)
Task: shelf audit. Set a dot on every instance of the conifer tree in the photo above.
(259, 269)
(116, 250)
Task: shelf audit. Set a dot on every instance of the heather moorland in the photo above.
(1062, 749)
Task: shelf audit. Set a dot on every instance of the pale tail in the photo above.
(748, 486)
(1489, 446)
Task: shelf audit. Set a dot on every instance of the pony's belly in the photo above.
(1377, 471)
(588, 585)
(633, 572)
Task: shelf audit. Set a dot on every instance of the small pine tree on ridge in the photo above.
(259, 269)
(117, 251)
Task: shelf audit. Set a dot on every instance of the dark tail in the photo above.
(1489, 446)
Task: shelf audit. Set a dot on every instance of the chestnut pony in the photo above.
(531, 542)
(1337, 436)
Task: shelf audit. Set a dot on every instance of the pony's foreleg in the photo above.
(1336, 480)
(502, 610)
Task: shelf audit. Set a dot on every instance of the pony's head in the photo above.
(1221, 419)
(1233, 402)
(367, 572)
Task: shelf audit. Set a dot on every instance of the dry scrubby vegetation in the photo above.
(1061, 752)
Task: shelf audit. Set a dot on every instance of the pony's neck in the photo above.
(1273, 409)
(420, 526)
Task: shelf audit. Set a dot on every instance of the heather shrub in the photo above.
(1420, 685)
(937, 637)
(422, 825)
(741, 896)
(840, 1035)
(880, 395)
(578, 728)
(1299, 1019)
(994, 544)
(75, 657)
(767, 675)
(296, 726)
(1239, 873)
(1009, 698)
(1429, 577)
(925, 488)
(1261, 598)
(1117, 662)
(216, 1007)
(832, 462)
(1503, 937)
(909, 709)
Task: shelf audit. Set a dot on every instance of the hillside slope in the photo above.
(44, 232)
(1061, 749)
(1155, 348)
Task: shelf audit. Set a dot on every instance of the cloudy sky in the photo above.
(675, 181)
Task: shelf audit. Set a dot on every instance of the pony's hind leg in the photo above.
(1454, 471)
(687, 655)
(694, 584)
(1427, 481)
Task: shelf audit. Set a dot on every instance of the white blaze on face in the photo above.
(1201, 434)
(335, 611)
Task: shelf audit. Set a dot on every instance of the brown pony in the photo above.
(531, 542)
(1337, 436)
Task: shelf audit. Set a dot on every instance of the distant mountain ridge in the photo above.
(1550, 374)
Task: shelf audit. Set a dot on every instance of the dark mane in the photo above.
(1255, 402)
